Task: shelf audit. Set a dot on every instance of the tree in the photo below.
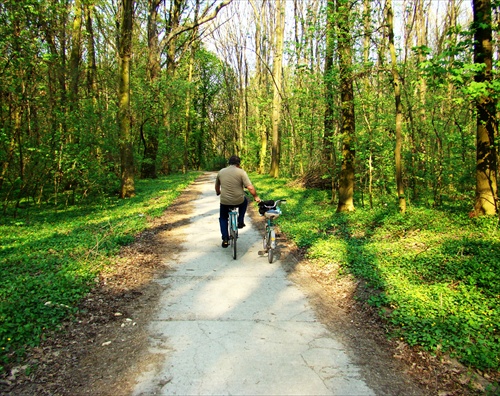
(126, 143)
(487, 125)
(75, 56)
(177, 38)
(277, 82)
(347, 116)
(396, 81)
(328, 153)
(261, 80)
(91, 55)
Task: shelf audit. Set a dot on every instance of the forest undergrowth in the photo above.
(433, 274)
(51, 257)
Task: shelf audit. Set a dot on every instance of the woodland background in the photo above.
(387, 107)
(98, 93)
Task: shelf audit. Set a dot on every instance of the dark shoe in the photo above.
(241, 225)
(225, 243)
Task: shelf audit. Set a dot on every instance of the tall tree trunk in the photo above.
(277, 80)
(347, 127)
(421, 125)
(126, 146)
(150, 136)
(328, 157)
(260, 125)
(486, 157)
(189, 94)
(91, 55)
(241, 101)
(367, 28)
(399, 110)
(75, 56)
(366, 85)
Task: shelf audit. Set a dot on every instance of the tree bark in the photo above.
(487, 125)
(91, 55)
(75, 56)
(189, 94)
(399, 110)
(126, 148)
(260, 126)
(366, 85)
(277, 79)
(347, 127)
(150, 137)
(328, 157)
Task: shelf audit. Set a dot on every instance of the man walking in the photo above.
(230, 185)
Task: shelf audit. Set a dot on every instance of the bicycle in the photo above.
(233, 229)
(271, 211)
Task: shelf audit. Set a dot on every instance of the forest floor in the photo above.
(102, 351)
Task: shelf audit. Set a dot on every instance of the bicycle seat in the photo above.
(272, 214)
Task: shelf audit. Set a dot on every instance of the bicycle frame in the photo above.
(269, 240)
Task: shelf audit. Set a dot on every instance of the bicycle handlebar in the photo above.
(271, 204)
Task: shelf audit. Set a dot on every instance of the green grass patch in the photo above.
(50, 257)
(437, 272)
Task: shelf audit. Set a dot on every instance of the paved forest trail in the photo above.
(240, 327)
(176, 315)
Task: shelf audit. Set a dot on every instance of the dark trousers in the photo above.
(224, 217)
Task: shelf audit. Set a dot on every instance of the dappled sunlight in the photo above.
(240, 326)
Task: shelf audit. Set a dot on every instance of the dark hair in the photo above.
(234, 160)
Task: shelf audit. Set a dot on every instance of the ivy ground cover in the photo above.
(50, 257)
(434, 274)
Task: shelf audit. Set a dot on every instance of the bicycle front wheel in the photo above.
(270, 255)
(271, 243)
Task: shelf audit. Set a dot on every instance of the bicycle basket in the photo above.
(264, 206)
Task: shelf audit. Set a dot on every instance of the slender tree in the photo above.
(91, 54)
(277, 83)
(149, 135)
(261, 78)
(396, 81)
(125, 53)
(487, 125)
(347, 116)
(328, 157)
(75, 56)
(188, 119)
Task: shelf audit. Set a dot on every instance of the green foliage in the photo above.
(434, 274)
(50, 258)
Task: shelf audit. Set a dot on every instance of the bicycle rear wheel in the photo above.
(233, 243)
(233, 232)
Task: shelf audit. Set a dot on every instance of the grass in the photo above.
(50, 257)
(434, 274)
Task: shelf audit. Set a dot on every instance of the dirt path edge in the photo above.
(101, 351)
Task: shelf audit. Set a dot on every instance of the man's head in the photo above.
(234, 160)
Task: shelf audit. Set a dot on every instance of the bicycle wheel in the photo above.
(271, 245)
(234, 247)
(233, 232)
